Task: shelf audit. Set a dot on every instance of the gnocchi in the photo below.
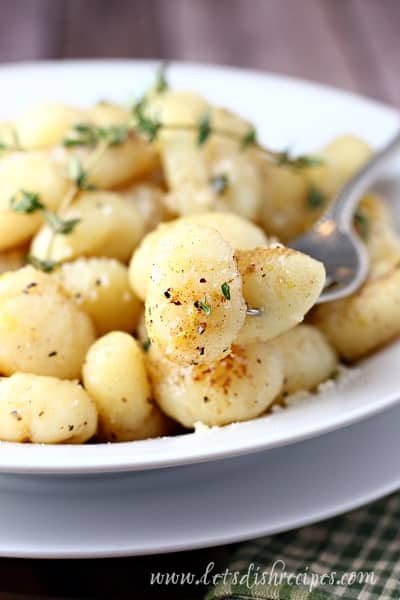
(239, 387)
(235, 230)
(308, 358)
(115, 376)
(365, 321)
(45, 410)
(42, 331)
(31, 172)
(283, 284)
(108, 226)
(193, 172)
(189, 317)
(159, 293)
(100, 287)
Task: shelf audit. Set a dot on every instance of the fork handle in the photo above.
(342, 209)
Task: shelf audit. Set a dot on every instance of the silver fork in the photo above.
(333, 240)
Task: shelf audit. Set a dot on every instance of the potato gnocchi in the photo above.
(137, 244)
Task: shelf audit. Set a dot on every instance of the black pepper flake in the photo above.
(98, 281)
(201, 350)
(167, 293)
(30, 285)
(70, 427)
(16, 415)
(177, 302)
(206, 399)
(203, 280)
(51, 354)
(41, 413)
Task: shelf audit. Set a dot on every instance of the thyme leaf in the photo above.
(78, 174)
(59, 225)
(144, 124)
(25, 202)
(226, 290)
(205, 307)
(146, 344)
(47, 266)
(315, 198)
(361, 224)
(297, 162)
(204, 129)
(249, 139)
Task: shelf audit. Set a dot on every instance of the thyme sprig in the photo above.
(161, 84)
(151, 127)
(101, 139)
(85, 134)
(26, 202)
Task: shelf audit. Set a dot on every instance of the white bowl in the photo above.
(287, 112)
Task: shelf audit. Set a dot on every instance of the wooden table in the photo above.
(354, 44)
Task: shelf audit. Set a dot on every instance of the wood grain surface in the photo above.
(353, 44)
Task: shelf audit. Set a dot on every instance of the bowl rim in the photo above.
(189, 448)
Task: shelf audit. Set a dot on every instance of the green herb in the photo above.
(161, 85)
(144, 124)
(315, 198)
(249, 139)
(42, 265)
(226, 290)
(219, 183)
(204, 129)
(81, 135)
(115, 135)
(84, 134)
(78, 174)
(146, 344)
(26, 202)
(298, 162)
(205, 307)
(361, 223)
(59, 225)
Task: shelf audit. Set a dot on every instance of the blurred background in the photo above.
(353, 44)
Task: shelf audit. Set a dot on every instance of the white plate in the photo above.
(51, 516)
(286, 112)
